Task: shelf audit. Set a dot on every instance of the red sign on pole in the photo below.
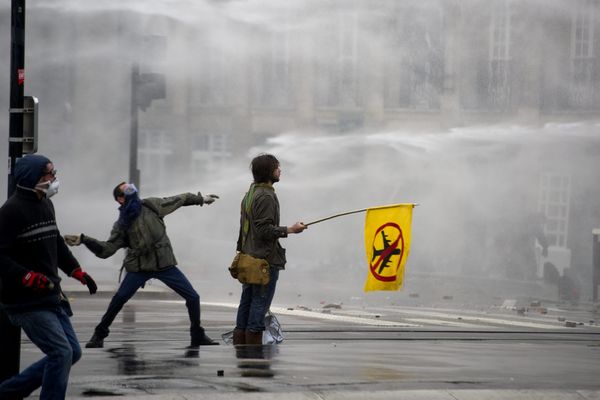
(21, 73)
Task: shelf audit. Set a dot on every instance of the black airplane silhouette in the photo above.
(386, 259)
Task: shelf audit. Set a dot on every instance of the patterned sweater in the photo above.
(30, 241)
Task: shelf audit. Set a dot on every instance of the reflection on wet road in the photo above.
(146, 353)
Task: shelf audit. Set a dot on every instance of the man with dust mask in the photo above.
(31, 253)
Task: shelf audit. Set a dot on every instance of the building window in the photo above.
(583, 83)
(337, 68)
(209, 152)
(273, 83)
(413, 57)
(554, 200)
(210, 79)
(500, 55)
(154, 152)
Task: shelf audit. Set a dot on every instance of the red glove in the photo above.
(37, 281)
(85, 279)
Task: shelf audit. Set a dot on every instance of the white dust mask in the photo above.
(51, 189)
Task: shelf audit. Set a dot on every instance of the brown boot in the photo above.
(254, 338)
(239, 336)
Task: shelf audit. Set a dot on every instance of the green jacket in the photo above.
(259, 223)
(148, 246)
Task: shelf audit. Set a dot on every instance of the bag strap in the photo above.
(247, 212)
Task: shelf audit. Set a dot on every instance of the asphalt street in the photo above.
(339, 352)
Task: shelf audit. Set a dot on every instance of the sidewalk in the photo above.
(474, 394)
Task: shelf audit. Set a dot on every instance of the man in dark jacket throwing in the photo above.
(141, 229)
(31, 252)
(259, 236)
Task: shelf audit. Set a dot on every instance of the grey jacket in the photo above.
(262, 226)
(148, 246)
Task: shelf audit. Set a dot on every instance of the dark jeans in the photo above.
(172, 277)
(52, 332)
(255, 303)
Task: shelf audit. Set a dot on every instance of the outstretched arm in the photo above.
(165, 206)
(102, 249)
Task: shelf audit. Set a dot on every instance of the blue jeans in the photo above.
(52, 332)
(172, 277)
(255, 303)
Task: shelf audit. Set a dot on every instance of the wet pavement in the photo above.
(384, 352)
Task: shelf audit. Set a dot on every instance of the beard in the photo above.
(274, 179)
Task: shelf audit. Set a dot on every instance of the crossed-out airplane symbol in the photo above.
(386, 252)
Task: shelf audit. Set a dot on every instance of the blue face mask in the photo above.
(132, 207)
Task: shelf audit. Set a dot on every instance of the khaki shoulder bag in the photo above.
(245, 268)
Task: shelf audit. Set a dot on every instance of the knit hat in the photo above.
(29, 170)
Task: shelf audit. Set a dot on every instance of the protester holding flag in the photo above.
(259, 237)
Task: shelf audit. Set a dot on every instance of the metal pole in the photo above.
(10, 336)
(134, 172)
(596, 261)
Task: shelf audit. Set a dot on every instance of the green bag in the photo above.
(250, 270)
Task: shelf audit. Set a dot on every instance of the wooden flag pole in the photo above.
(336, 215)
(353, 212)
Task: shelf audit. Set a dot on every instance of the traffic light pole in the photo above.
(134, 172)
(10, 336)
(145, 88)
(596, 263)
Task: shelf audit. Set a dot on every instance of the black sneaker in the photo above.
(96, 342)
(202, 340)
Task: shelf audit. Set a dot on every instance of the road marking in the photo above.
(475, 319)
(328, 317)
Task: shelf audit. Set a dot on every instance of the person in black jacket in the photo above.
(31, 252)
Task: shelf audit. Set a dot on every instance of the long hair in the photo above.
(263, 166)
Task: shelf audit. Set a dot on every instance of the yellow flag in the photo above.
(387, 243)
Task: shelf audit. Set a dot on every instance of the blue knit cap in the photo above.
(30, 169)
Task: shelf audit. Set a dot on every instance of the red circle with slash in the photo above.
(398, 243)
